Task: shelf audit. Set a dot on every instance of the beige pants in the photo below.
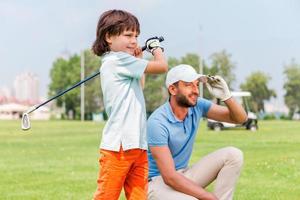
(223, 166)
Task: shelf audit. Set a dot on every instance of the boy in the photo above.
(123, 149)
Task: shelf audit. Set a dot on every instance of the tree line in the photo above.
(65, 72)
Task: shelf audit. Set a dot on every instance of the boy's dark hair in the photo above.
(113, 22)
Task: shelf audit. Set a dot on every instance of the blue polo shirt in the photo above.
(164, 129)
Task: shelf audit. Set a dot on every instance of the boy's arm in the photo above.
(156, 66)
(159, 64)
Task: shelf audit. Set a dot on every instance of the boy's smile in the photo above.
(125, 42)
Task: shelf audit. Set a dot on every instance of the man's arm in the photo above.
(233, 113)
(175, 180)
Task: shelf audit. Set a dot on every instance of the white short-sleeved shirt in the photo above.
(124, 102)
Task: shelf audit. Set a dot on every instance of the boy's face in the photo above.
(125, 42)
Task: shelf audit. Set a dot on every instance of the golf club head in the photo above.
(25, 122)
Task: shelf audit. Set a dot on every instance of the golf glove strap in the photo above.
(152, 44)
(218, 87)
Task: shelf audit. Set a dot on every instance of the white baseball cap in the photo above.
(182, 72)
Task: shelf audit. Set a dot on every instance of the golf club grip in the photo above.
(161, 38)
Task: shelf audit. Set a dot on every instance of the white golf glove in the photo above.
(218, 87)
(152, 44)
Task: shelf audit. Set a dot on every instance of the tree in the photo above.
(206, 70)
(65, 73)
(155, 92)
(191, 59)
(257, 84)
(93, 93)
(172, 62)
(292, 87)
(223, 66)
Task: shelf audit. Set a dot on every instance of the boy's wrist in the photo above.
(156, 50)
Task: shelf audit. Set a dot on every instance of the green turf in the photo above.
(59, 159)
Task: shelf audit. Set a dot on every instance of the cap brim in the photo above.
(200, 77)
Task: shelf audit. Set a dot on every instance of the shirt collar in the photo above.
(113, 54)
(171, 116)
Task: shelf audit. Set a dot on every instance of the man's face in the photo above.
(125, 42)
(187, 93)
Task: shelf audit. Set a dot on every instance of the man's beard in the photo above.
(183, 101)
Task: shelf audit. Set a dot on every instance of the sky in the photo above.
(260, 35)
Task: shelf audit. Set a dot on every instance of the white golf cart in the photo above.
(250, 124)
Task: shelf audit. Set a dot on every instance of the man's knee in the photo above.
(235, 155)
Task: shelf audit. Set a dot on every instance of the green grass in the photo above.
(59, 159)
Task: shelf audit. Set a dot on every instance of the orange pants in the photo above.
(124, 168)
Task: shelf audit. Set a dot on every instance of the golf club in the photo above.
(25, 123)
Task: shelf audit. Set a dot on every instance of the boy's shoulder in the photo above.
(123, 64)
(122, 59)
(117, 56)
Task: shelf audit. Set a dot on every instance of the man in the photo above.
(171, 133)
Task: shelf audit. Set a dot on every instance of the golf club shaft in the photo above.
(65, 91)
(76, 85)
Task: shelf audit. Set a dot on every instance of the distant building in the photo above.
(5, 94)
(26, 88)
(14, 111)
(25, 93)
(5, 91)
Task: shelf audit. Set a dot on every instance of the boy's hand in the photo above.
(217, 86)
(152, 44)
(138, 52)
